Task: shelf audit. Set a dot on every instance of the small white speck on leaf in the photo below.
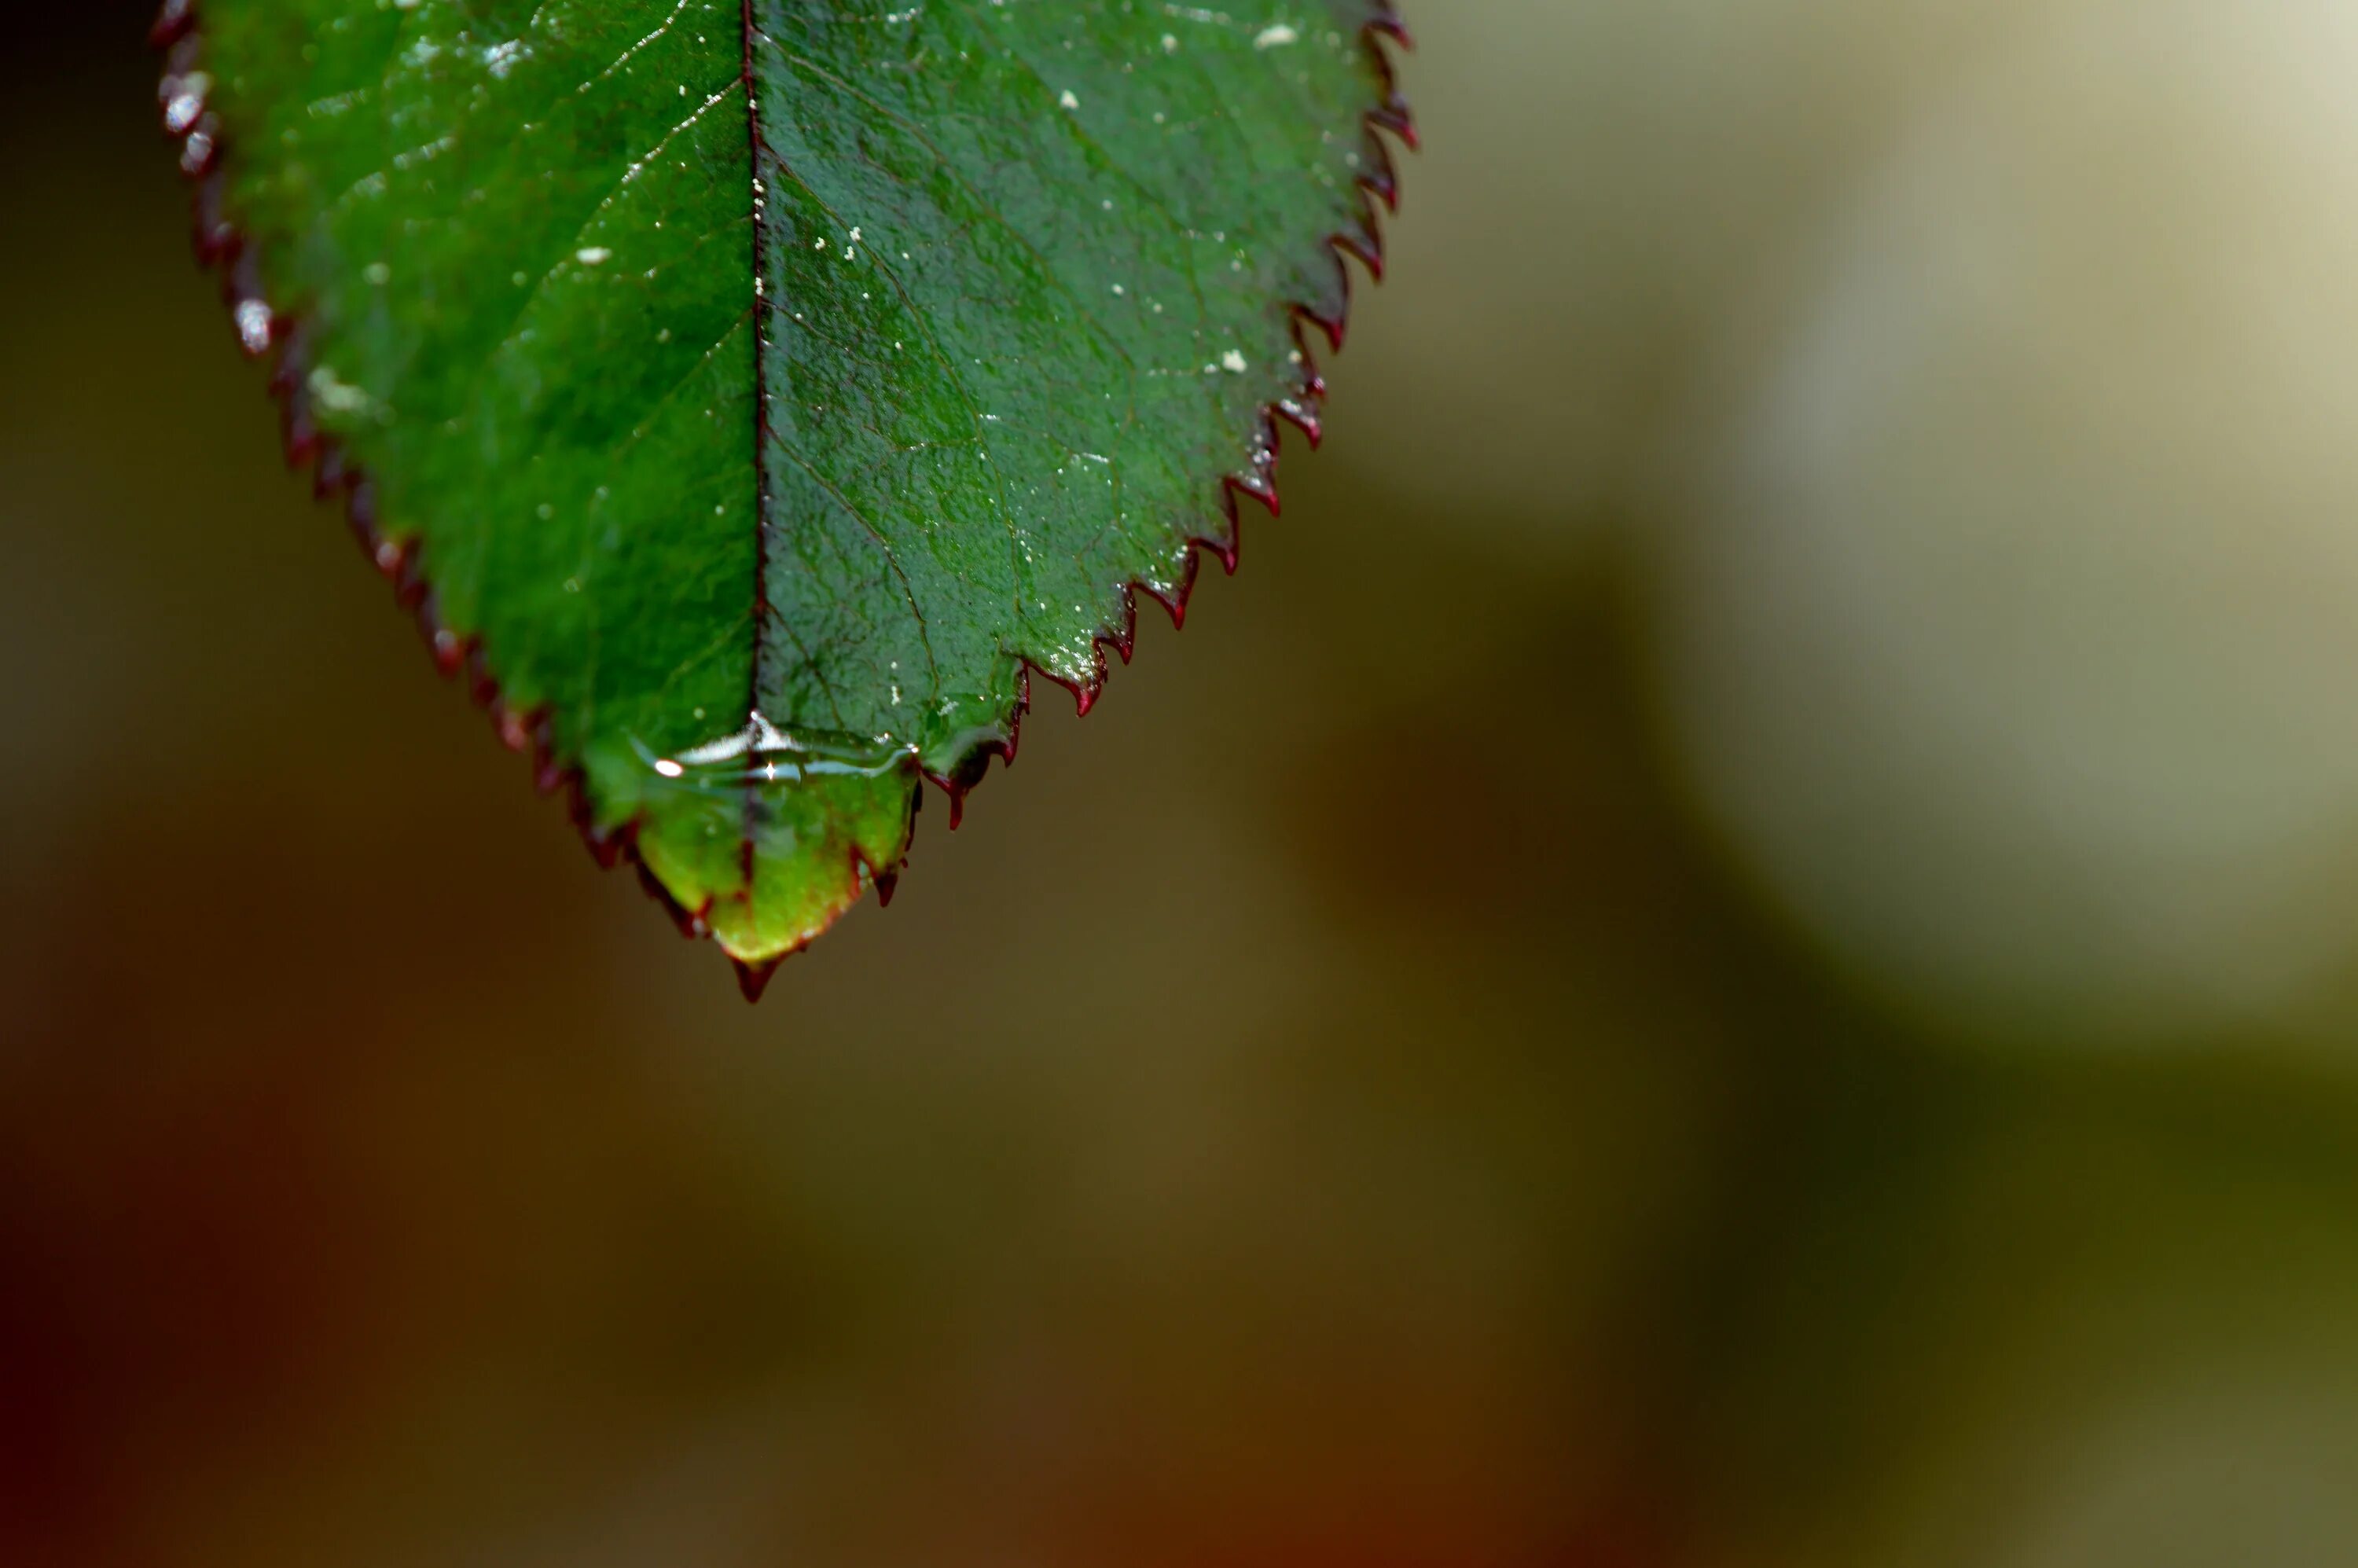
(253, 325)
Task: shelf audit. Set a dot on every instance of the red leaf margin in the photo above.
(220, 245)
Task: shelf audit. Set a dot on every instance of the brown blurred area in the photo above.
(1731, 949)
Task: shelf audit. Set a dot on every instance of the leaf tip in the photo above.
(755, 978)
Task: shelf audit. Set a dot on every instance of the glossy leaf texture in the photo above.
(749, 395)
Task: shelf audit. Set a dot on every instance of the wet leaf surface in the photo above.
(752, 395)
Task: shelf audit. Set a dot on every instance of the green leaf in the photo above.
(751, 393)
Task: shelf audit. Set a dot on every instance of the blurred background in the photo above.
(1734, 947)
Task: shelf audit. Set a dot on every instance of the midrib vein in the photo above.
(760, 427)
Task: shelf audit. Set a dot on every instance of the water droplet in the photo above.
(185, 101)
(253, 324)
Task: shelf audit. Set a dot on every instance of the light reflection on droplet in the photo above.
(253, 324)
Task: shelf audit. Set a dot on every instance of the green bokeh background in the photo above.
(1379, 1091)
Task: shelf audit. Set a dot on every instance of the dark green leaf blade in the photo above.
(760, 389)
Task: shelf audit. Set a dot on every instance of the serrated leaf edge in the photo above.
(219, 246)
